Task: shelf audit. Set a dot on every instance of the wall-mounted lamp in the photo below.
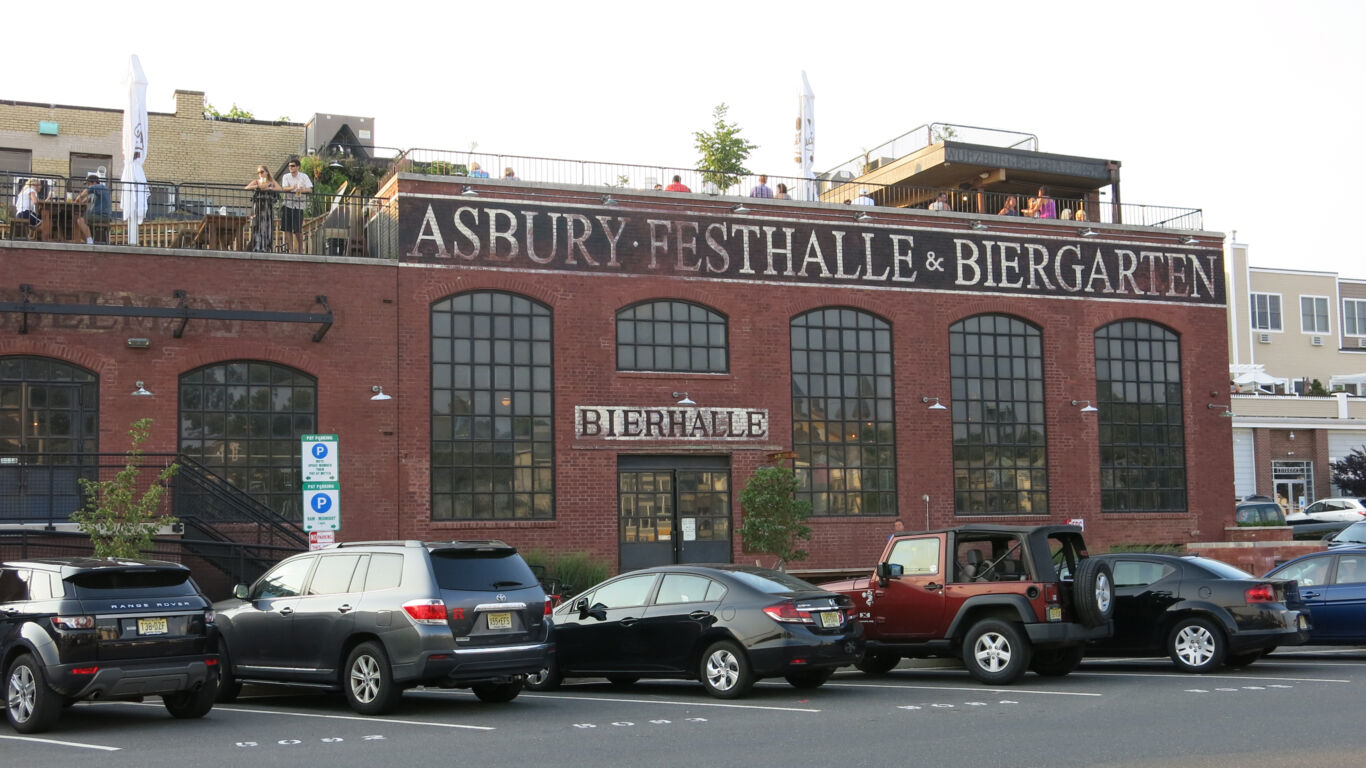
(861, 216)
(1088, 232)
(684, 399)
(979, 226)
(1189, 240)
(141, 391)
(379, 393)
(139, 343)
(1292, 435)
(739, 208)
(1086, 406)
(935, 405)
(607, 199)
(1229, 414)
(469, 191)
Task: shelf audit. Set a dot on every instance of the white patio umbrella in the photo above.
(806, 139)
(134, 179)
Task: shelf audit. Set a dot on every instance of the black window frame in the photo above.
(637, 337)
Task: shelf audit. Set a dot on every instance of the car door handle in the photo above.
(628, 621)
(699, 615)
(286, 611)
(1309, 594)
(344, 607)
(932, 587)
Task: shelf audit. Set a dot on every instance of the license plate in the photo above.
(499, 620)
(829, 619)
(1055, 613)
(152, 626)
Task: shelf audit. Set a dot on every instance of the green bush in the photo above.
(576, 571)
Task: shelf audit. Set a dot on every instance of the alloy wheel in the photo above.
(365, 679)
(992, 652)
(23, 693)
(1195, 645)
(723, 670)
(1104, 593)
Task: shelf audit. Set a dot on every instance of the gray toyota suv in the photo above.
(372, 618)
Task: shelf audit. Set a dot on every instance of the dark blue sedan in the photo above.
(1333, 588)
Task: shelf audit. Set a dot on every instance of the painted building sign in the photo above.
(523, 236)
(619, 422)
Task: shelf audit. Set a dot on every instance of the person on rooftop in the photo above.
(677, 185)
(296, 184)
(782, 194)
(1048, 207)
(761, 189)
(98, 210)
(478, 173)
(26, 203)
(264, 194)
(863, 198)
(509, 174)
(941, 203)
(1011, 207)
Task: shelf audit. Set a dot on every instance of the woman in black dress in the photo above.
(263, 197)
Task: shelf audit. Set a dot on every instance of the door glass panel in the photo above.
(287, 580)
(682, 588)
(625, 593)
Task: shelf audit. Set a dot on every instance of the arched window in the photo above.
(1000, 458)
(49, 410)
(493, 446)
(243, 420)
(671, 336)
(842, 426)
(1142, 427)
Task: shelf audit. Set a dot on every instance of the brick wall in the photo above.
(181, 147)
(381, 337)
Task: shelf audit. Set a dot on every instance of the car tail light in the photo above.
(74, 622)
(787, 613)
(1050, 593)
(211, 662)
(1262, 593)
(549, 607)
(85, 670)
(426, 611)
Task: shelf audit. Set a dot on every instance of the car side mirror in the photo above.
(581, 605)
(241, 591)
(598, 611)
(889, 570)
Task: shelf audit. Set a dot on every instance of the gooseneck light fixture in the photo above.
(1088, 232)
(684, 399)
(469, 191)
(739, 208)
(1086, 406)
(1228, 414)
(379, 393)
(935, 405)
(141, 391)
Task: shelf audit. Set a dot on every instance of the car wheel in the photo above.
(811, 678)
(877, 663)
(1093, 593)
(725, 671)
(548, 679)
(996, 652)
(1196, 645)
(228, 686)
(1057, 662)
(368, 681)
(30, 705)
(1243, 659)
(190, 705)
(497, 693)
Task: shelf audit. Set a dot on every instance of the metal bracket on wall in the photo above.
(184, 312)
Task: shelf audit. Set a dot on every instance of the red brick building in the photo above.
(576, 373)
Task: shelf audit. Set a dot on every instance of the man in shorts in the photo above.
(296, 186)
(97, 208)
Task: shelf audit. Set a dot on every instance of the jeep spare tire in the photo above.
(1093, 593)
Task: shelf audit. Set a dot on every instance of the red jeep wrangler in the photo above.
(1003, 598)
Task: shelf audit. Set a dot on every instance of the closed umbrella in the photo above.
(134, 179)
(806, 139)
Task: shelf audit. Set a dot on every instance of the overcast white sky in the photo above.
(1249, 110)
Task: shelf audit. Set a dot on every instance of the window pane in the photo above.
(671, 336)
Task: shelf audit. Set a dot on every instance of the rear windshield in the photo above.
(481, 571)
(1352, 534)
(142, 582)
(773, 582)
(1221, 569)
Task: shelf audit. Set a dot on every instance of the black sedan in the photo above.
(1201, 612)
(725, 625)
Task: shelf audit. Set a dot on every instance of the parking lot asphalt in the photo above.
(1293, 708)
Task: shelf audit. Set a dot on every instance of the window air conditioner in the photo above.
(1316, 340)
(1263, 338)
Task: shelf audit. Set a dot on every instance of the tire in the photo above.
(1057, 662)
(368, 681)
(497, 693)
(724, 671)
(996, 652)
(32, 707)
(1240, 660)
(228, 686)
(1197, 645)
(808, 679)
(622, 681)
(192, 705)
(877, 663)
(1093, 593)
(548, 679)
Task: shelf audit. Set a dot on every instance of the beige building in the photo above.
(1287, 329)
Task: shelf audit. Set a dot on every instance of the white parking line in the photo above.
(1183, 675)
(665, 702)
(285, 713)
(76, 744)
(957, 688)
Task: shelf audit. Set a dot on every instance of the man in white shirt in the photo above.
(296, 185)
(863, 198)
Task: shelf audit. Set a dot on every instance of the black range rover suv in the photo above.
(373, 618)
(85, 628)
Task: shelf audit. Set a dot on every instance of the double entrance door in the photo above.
(673, 509)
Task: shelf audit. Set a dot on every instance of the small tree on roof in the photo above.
(723, 151)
